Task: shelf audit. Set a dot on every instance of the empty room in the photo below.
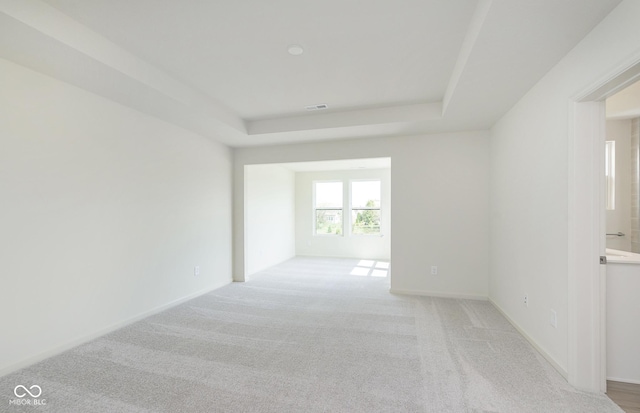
(338, 206)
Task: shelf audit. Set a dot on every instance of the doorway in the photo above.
(622, 204)
(587, 229)
(336, 208)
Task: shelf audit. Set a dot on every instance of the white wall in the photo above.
(356, 246)
(439, 201)
(623, 313)
(104, 212)
(529, 184)
(270, 216)
(619, 219)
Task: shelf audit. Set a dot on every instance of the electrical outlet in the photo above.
(526, 301)
(554, 319)
(434, 270)
(196, 270)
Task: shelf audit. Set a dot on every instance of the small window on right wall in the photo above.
(365, 207)
(610, 174)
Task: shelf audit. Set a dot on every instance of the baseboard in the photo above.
(531, 341)
(439, 294)
(101, 332)
(535, 345)
(342, 257)
(630, 381)
(265, 268)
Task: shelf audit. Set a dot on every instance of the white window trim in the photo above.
(351, 181)
(314, 209)
(610, 174)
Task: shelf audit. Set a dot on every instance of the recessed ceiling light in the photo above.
(295, 50)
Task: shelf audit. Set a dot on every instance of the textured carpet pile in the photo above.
(309, 335)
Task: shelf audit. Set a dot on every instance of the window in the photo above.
(610, 174)
(365, 207)
(328, 208)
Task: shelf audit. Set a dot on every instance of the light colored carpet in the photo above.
(308, 336)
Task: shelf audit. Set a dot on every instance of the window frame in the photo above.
(314, 208)
(610, 175)
(351, 208)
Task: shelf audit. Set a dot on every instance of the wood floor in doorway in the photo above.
(625, 395)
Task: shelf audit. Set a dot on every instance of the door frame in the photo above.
(586, 367)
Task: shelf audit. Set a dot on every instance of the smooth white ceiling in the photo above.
(356, 53)
(221, 68)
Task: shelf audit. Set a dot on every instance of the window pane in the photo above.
(610, 173)
(328, 222)
(328, 194)
(365, 221)
(365, 194)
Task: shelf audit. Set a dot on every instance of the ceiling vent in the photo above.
(317, 107)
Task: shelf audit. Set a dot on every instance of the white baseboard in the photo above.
(531, 341)
(438, 294)
(265, 267)
(342, 257)
(618, 379)
(101, 332)
(535, 345)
